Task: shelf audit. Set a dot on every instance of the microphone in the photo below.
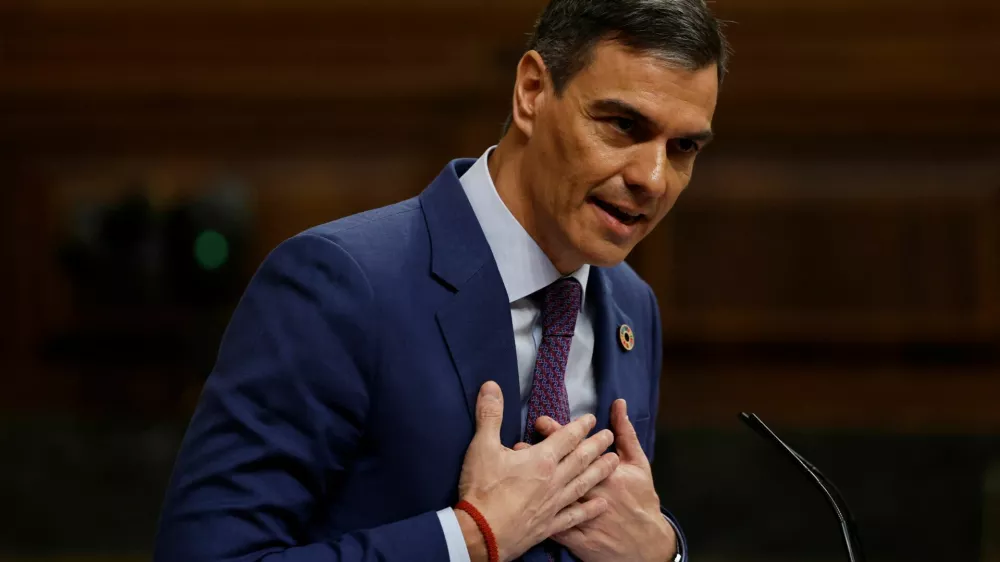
(848, 528)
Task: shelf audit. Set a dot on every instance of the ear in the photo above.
(531, 89)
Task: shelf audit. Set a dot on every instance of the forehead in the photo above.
(665, 92)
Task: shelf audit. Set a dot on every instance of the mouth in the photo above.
(621, 215)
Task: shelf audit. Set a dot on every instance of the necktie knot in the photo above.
(562, 305)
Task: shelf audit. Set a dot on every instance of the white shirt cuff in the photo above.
(453, 537)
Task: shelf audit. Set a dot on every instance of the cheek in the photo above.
(590, 159)
(562, 164)
(573, 206)
(684, 169)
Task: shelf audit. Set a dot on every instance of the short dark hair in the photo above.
(683, 32)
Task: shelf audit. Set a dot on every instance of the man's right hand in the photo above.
(529, 495)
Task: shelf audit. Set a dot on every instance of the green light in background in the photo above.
(211, 250)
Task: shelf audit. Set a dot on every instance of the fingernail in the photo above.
(491, 391)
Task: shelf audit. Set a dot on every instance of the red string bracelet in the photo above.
(491, 541)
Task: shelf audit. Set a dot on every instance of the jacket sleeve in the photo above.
(657, 364)
(279, 421)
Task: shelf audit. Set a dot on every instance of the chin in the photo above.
(598, 245)
(604, 254)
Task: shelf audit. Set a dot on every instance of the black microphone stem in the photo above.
(848, 529)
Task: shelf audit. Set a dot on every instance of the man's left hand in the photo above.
(632, 528)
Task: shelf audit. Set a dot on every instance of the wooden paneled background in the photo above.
(835, 263)
(834, 266)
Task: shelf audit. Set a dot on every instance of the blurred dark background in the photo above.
(834, 267)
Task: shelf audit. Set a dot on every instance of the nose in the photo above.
(648, 171)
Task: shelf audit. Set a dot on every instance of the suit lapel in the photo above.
(476, 325)
(615, 368)
(475, 322)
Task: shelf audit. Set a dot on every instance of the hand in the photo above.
(527, 496)
(632, 528)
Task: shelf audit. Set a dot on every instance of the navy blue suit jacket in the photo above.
(335, 421)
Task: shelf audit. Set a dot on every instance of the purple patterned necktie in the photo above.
(548, 388)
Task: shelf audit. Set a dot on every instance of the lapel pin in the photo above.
(626, 337)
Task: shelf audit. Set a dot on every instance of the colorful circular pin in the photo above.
(626, 337)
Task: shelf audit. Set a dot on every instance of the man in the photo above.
(462, 345)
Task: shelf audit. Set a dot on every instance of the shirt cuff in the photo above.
(682, 547)
(453, 537)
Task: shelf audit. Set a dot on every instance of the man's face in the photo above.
(606, 160)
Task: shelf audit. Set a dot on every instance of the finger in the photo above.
(547, 426)
(583, 456)
(626, 440)
(489, 410)
(521, 446)
(574, 537)
(593, 475)
(570, 537)
(577, 514)
(566, 439)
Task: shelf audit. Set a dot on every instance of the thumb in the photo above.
(489, 410)
(626, 441)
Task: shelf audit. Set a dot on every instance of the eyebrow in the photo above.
(618, 106)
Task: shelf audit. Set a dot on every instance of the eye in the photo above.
(623, 124)
(685, 146)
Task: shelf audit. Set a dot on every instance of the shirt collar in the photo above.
(524, 267)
